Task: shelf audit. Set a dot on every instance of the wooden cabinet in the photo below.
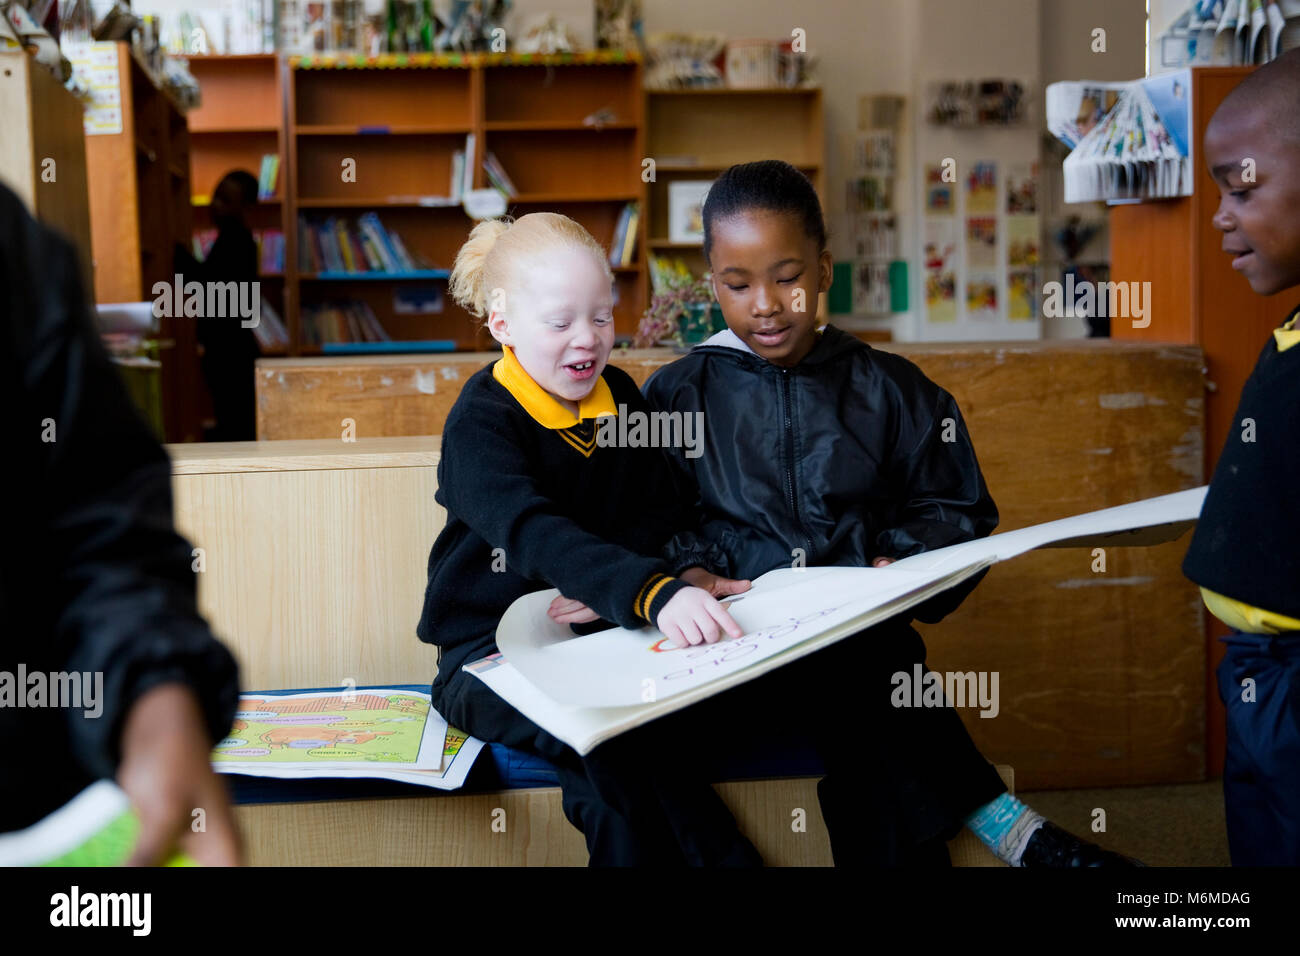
(139, 185)
(42, 152)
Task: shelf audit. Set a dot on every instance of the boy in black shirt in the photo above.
(1245, 553)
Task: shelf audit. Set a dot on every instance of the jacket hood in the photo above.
(832, 343)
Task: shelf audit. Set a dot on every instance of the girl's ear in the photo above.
(826, 266)
(499, 327)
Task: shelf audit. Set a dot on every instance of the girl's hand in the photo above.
(881, 562)
(693, 616)
(716, 586)
(571, 611)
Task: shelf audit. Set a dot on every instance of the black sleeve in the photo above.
(688, 547)
(487, 481)
(945, 499)
(118, 575)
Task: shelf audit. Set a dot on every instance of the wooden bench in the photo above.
(314, 557)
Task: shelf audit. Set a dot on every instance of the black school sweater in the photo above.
(1247, 542)
(596, 522)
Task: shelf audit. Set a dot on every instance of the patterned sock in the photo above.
(1005, 826)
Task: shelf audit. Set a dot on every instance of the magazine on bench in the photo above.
(585, 690)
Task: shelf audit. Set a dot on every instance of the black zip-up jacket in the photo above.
(93, 576)
(851, 455)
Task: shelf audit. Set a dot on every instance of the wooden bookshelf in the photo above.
(239, 120)
(43, 123)
(695, 134)
(139, 187)
(401, 118)
(1197, 298)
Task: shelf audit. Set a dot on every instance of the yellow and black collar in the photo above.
(1288, 335)
(541, 405)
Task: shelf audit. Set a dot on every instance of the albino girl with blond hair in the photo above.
(533, 502)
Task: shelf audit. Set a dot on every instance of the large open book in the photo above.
(585, 690)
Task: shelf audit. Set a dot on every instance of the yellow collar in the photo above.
(1288, 335)
(544, 408)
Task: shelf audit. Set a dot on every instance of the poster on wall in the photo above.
(940, 262)
(875, 236)
(982, 188)
(1022, 242)
(871, 289)
(940, 196)
(1022, 189)
(1022, 294)
(982, 296)
(981, 242)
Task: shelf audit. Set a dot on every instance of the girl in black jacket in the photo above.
(822, 451)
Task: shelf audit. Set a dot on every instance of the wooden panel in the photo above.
(43, 122)
(382, 97)
(110, 163)
(728, 126)
(568, 95)
(306, 579)
(237, 91)
(456, 830)
(385, 396)
(548, 161)
(386, 166)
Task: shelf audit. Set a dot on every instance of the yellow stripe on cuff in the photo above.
(650, 598)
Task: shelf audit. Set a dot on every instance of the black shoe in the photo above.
(1052, 846)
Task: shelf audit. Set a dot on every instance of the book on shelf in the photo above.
(270, 250)
(462, 170)
(341, 322)
(623, 248)
(268, 175)
(334, 245)
(498, 176)
(270, 329)
(270, 247)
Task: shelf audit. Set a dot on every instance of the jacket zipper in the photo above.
(791, 496)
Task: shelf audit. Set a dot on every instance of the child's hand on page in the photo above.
(715, 585)
(881, 562)
(166, 773)
(693, 616)
(570, 611)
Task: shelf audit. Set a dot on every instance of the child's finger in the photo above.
(723, 617)
(562, 605)
(691, 632)
(728, 586)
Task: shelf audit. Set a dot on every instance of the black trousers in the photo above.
(634, 805)
(1261, 771)
(899, 782)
